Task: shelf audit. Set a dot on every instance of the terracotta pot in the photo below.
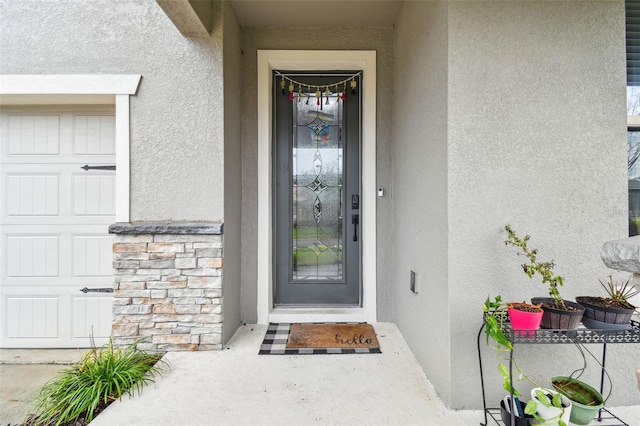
(614, 316)
(521, 320)
(559, 319)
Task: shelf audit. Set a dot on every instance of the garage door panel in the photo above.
(94, 195)
(92, 255)
(75, 161)
(75, 284)
(92, 315)
(33, 194)
(38, 317)
(70, 254)
(58, 194)
(33, 256)
(34, 135)
(33, 317)
(94, 134)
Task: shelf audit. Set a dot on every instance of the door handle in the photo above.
(355, 219)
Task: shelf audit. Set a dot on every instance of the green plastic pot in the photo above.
(581, 414)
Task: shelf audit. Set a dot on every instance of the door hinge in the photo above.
(88, 167)
(97, 290)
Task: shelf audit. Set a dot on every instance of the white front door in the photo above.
(53, 226)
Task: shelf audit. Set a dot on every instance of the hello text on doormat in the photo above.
(332, 336)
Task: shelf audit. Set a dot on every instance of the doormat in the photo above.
(316, 339)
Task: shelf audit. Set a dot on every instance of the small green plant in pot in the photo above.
(586, 401)
(80, 392)
(558, 313)
(613, 311)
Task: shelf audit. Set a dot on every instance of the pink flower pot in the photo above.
(521, 320)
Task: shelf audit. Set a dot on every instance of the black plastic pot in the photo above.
(528, 420)
(559, 319)
(618, 318)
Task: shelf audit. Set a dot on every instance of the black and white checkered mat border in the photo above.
(275, 343)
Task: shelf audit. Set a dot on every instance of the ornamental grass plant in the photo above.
(80, 392)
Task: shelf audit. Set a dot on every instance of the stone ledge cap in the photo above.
(622, 255)
(179, 228)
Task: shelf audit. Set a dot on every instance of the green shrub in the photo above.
(104, 375)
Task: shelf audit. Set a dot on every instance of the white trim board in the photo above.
(99, 89)
(69, 84)
(316, 60)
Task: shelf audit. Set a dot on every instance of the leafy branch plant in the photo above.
(534, 266)
(542, 395)
(494, 317)
(104, 375)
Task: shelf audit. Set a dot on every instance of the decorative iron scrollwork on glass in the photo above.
(317, 166)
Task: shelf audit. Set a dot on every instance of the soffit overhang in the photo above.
(316, 13)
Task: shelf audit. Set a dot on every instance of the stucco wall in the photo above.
(420, 182)
(537, 138)
(178, 109)
(232, 48)
(379, 39)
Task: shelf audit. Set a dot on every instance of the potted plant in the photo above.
(524, 318)
(558, 313)
(552, 408)
(612, 312)
(586, 401)
(520, 419)
(523, 414)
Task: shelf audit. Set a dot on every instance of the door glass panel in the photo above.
(317, 200)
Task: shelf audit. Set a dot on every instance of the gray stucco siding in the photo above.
(537, 138)
(420, 181)
(178, 110)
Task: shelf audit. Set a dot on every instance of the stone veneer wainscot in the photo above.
(168, 285)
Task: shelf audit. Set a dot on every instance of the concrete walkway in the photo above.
(23, 372)
(236, 386)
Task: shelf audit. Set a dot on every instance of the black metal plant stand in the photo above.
(548, 336)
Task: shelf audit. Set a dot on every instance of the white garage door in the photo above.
(53, 228)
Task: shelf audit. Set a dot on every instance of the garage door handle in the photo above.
(88, 167)
(97, 290)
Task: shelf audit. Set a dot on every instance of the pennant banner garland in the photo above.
(322, 93)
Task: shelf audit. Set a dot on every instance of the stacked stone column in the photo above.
(168, 286)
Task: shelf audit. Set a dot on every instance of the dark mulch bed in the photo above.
(82, 421)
